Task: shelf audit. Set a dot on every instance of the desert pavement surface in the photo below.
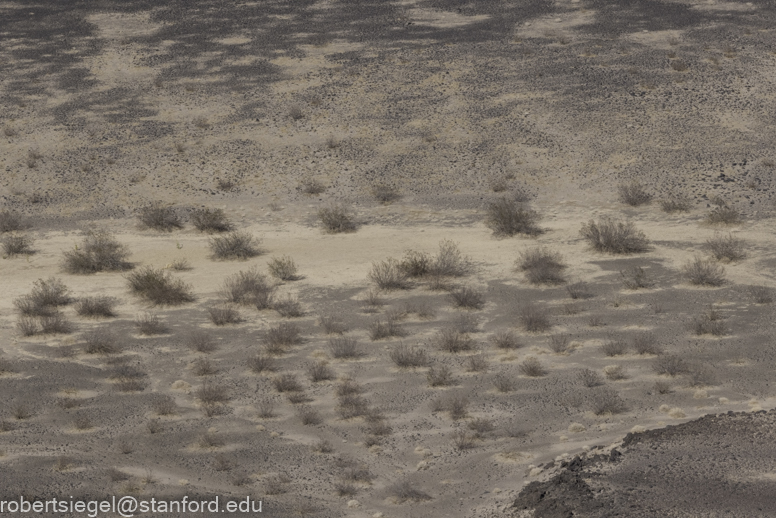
(588, 383)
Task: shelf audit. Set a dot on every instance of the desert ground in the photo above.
(390, 259)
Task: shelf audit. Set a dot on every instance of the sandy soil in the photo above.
(109, 107)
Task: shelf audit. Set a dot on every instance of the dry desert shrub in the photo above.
(336, 219)
(201, 341)
(283, 268)
(560, 344)
(100, 340)
(662, 387)
(322, 446)
(288, 307)
(541, 266)
(283, 334)
(534, 319)
(332, 325)
(266, 409)
(646, 343)
(249, 287)
(633, 194)
(532, 368)
(507, 217)
(670, 364)
(614, 237)
(10, 221)
(388, 275)
(261, 363)
(309, 416)
(159, 217)
(44, 299)
(503, 382)
(615, 372)
(17, 244)
(406, 490)
(700, 376)
(385, 193)
(481, 426)
(311, 186)
(345, 489)
(506, 340)
(407, 356)
(203, 367)
(150, 324)
(287, 383)
(223, 314)
(467, 298)
(607, 401)
(213, 398)
(635, 278)
(416, 264)
(55, 324)
(614, 346)
(210, 440)
(466, 323)
(463, 440)
(579, 290)
(723, 215)
(235, 245)
(455, 405)
(704, 272)
(380, 329)
(21, 411)
(210, 220)
(761, 294)
(97, 306)
(450, 262)
(348, 387)
(320, 371)
(99, 252)
(344, 348)
(709, 322)
(590, 378)
(726, 248)
(439, 376)
(450, 340)
(159, 287)
(676, 203)
(476, 363)
(350, 406)
(164, 404)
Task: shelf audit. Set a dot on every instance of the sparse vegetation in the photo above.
(159, 287)
(662, 387)
(633, 194)
(723, 215)
(17, 244)
(344, 348)
(385, 193)
(332, 325)
(320, 371)
(726, 248)
(283, 334)
(150, 324)
(704, 272)
(678, 202)
(560, 344)
(97, 306)
(203, 367)
(541, 266)
(503, 382)
(234, 245)
(449, 261)
(309, 416)
(336, 219)
(614, 237)
(201, 341)
(100, 340)
(164, 404)
(406, 490)
(590, 378)
(534, 319)
(466, 323)
(210, 220)
(44, 299)
(288, 307)
(506, 340)
(98, 252)
(283, 268)
(467, 298)
(476, 363)
(407, 356)
(709, 322)
(249, 287)
(10, 221)
(761, 294)
(388, 275)
(223, 314)
(463, 440)
(615, 372)
(439, 376)
(635, 278)
(452, 341)
(159, 217)
(532, 368)
(389, 328)
(607, 401)
(416, 264)
(261, 363)
(614, 346)
(311, 186)
(507, 217)
(646, 343)
(579, 290)
(670, 364)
